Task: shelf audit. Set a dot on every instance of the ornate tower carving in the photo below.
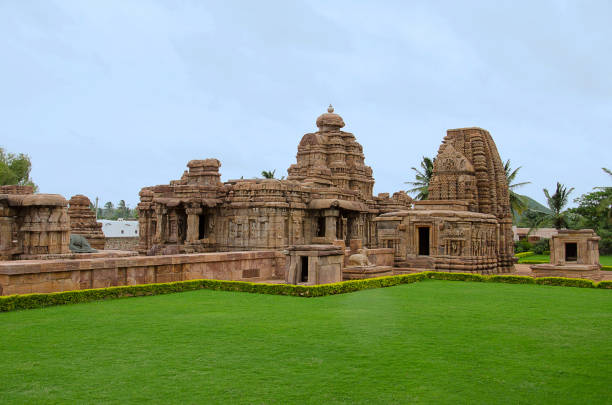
(331, 157)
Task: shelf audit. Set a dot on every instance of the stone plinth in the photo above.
(314, 264)
(363, 272)
(83, 221)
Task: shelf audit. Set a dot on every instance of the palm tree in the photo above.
(517, 202)
(607, 170)
(422, 178)
(268, 174)
(556, 203)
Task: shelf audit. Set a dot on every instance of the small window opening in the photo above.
(571, 252)
(304, 269)
(424, 241)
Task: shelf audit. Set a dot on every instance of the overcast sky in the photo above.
(110, 96)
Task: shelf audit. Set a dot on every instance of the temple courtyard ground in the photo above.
(432, 342)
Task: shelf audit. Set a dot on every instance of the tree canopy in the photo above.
(15, 169)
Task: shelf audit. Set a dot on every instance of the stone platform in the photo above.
(363, 272)
(588, 271)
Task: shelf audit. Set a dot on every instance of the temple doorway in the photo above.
(423, 241)
(303, 269)
(571, 252)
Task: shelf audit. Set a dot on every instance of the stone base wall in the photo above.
(121, 244)
(590, 272)
(44, 276)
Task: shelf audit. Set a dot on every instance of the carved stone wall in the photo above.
(327, 196)
(32, 224)
(83, 221)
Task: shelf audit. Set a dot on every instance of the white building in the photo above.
(119, 229)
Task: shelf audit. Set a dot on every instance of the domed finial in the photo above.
(330, 109)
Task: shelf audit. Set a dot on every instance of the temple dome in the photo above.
(329, 121)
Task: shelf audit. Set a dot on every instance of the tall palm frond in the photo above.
(556, 203)
(422, 179)
(517, 202)
(268, 174)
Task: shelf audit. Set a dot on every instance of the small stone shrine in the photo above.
(314, 264)
(574, 254)
(32, 226)
(83, 221)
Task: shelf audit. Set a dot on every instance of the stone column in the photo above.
(160, 229)
(330, 224)
(193, 224)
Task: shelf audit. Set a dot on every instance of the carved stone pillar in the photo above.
(160, 229)
(330, 224)
(193, 224)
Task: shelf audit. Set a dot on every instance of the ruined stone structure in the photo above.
(574, 254)
(326, 197)
(32, 225)
(314, 264)
(466, 224)
(83, 221)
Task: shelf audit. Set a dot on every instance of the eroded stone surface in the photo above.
(83, 221)
(32, 224)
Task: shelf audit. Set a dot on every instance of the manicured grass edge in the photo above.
(30, 301)
(524, 254)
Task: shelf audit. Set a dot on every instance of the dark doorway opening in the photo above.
(424, 241)
(321, 227)
(304, 269)
(203, 227)
(571, 252)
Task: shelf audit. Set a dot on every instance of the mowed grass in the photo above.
(428, 342)
(604, 260)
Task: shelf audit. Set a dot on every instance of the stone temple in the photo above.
(327, 199)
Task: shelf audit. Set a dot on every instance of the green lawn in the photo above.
(605, 260)
(428, 342)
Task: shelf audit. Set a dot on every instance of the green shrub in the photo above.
(527, 261)
(605, 284)
(547, 252)
(522, 246)
(566, 282)
(440, 275)
(511, 279)
(29, 301)
(607, 268)
(541, 246)
(524, 254)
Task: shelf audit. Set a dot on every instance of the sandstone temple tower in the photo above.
(466, 224)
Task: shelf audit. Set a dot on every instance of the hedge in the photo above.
(524, 254)
(30, 301)
(605, 284)
(607, 268)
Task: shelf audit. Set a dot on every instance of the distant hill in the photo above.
(536, 206)
(532, 205)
